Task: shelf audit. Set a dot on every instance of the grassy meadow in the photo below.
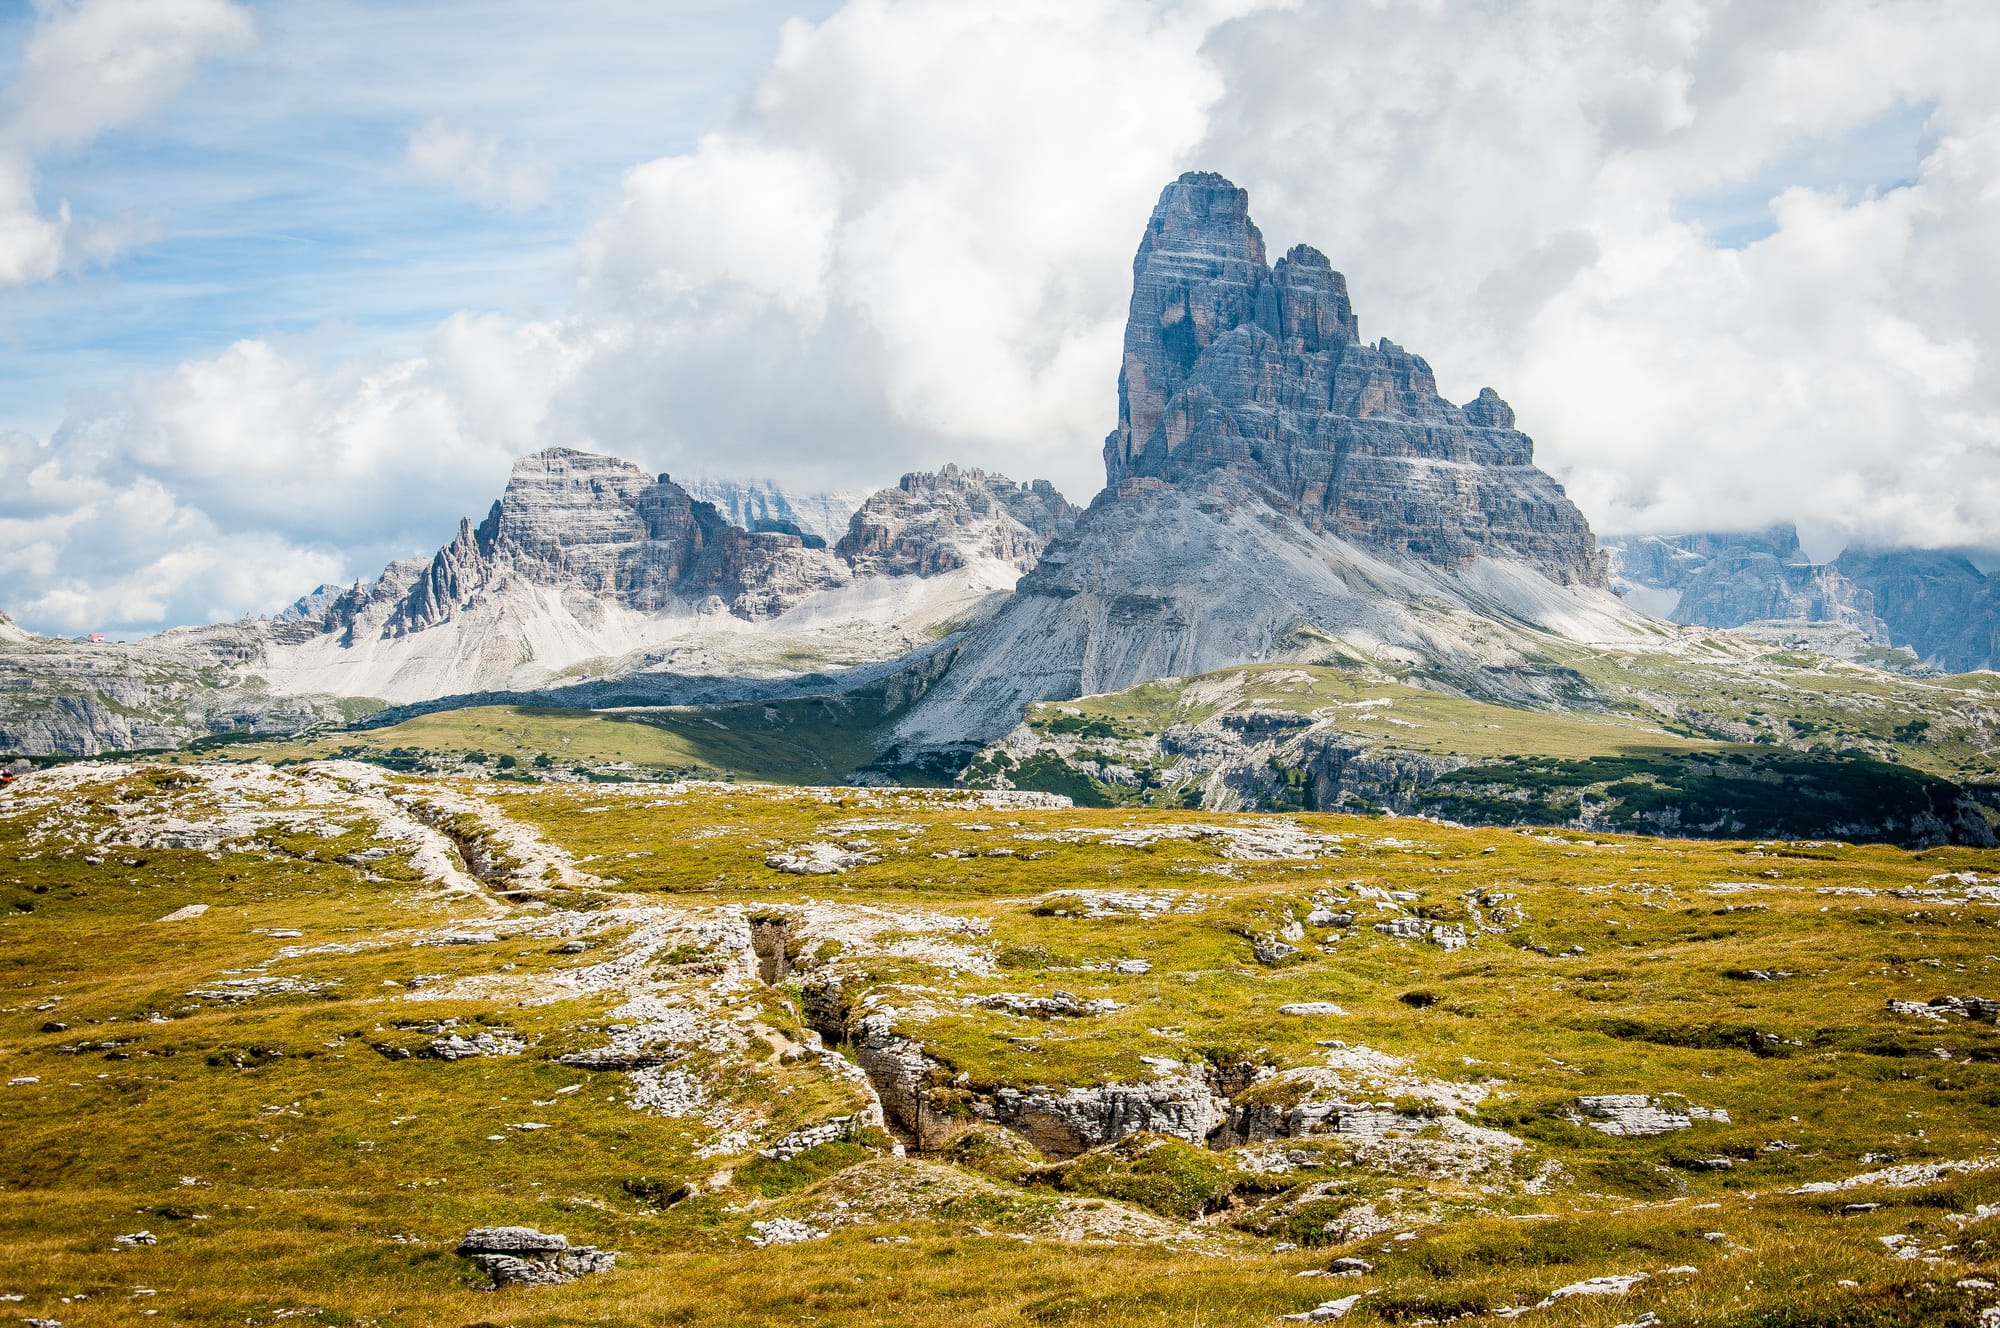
(227, 987)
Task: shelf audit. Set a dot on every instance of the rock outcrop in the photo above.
(934, 523)
(1279, 489)
(1260, 370)
(1073, 1120)
(523, 1256)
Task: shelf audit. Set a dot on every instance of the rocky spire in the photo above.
(1200, 271)
(1230, 364)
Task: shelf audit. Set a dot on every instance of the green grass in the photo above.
(290, 1159)
(805, 741)
(1653, 744)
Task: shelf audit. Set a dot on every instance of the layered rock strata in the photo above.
(1232, 363)
(1278, 488)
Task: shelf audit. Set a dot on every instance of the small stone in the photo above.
(1269, 950)
(783, 1231)
(1311, 1008)
(1616, 1284)
(136, 1238)
(527, 1257)
(1327, 1311)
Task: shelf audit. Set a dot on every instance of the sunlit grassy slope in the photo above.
(804, 741)
(257, 1083)
(1717, 742)
(1769, 746)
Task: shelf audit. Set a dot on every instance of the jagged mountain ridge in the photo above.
(1234, 364)
(1278, 489)
(586, 567)
(587, 561)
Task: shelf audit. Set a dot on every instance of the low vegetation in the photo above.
(273, 1018)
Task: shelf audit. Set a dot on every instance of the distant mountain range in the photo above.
(767, 505)
(1278, 491)
(1936, 605)
(586, 569)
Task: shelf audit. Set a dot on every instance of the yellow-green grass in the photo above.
(796, 741)
(306, 1181)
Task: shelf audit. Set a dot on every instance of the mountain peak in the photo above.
(1231, 365)
(1202, 213)
(569, 461)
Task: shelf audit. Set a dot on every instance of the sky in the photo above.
(287, 285)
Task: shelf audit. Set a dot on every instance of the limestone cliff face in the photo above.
(1233, 364)
(1936, 603)
(608, 530)
(932, 523)
(1278, 488)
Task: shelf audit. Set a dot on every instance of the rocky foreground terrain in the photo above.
(324, 1044)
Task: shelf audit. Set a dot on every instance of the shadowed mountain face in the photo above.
(1937, 605)
(1277, 487)
(1234, 364)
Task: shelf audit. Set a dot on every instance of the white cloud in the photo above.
(912, 243)
(31, 244)
(479, 166)
(91, 66)
(941, 201)
(1502, 192)
(755, 220)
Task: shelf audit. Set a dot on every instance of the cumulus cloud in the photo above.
(90, 66)
(911, 243)
(479, 166)
(1508, 195)
(31, 244)
(918, 231)
(93, 65)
